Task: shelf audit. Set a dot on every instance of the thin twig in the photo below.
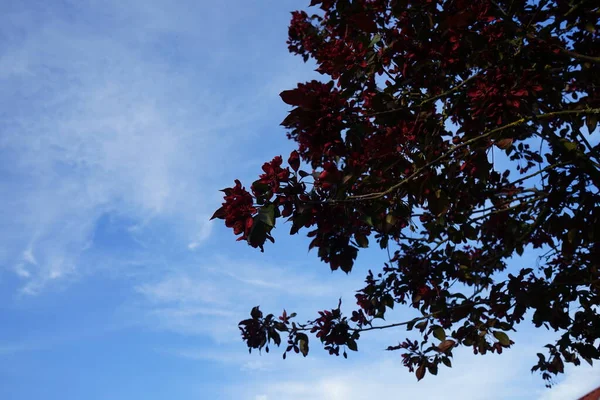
(428, 100)
(539, 172)
(485, 135)
(530, 200)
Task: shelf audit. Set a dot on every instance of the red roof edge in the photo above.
(593, 395)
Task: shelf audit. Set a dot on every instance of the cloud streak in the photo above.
(131, 123)
(472, 378)
(210, 296)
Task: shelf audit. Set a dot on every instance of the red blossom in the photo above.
(274, 175)
(237, 210)
(294, 160)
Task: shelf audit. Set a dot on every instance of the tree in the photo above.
(455, 134)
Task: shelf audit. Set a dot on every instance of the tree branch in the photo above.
(528, 200)
(561, 49)
(548, 168)
(428, 100)
(372, 196)
(414, 320)
(579, 56)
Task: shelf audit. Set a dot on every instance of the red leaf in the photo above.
(504, 143)
(294, 160)
(364, 23)
(420, 373)
(521, 93)
(220, 213)
(292, 97)
(446, 345)
(459, 20)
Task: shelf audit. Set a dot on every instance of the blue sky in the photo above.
(119, 122)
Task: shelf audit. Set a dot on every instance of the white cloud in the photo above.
(371, 373)
(576, 383)
(209, 297)
(134, 122)
(181, 289)
(472, 378)
(374, 373)
(204, 231)
(387, 379)
(12, 348)
(221, 354)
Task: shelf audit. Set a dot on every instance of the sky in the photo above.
(119, 123)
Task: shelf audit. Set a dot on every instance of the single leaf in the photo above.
(504, 143)
(292, 97)
(260, 187)
(220, 213)
(294, 160)
(390, 219)
(259, 234)
(502, 338)
(256, 313)
(280, 326)
(375, 40)
(570, 146)
(439, 333)
(558, 364)
(572, 235)
(361, 240)
(519, 249)
(433, 369)
(591, 122)
(266, 214)
(383, 243)
(351, 343)
(446, 345)
(447, 362)
(303, 344)
(420, 373)
(421, 325)
(275, 337)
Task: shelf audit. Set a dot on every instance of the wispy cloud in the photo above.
(235, 359)
(576, 383)
(129, 116)
(472, 378)
(386, 379)
(12, 348)
(210, 296)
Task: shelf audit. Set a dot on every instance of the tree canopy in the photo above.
(455, 135)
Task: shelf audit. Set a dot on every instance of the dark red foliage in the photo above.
(455, 134)
(274, 174)
(237, 210)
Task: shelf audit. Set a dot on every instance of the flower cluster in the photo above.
(303, 38)
(498, 94)
(317, 121)
(333, 331)
(237, 210)
(274, 175)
